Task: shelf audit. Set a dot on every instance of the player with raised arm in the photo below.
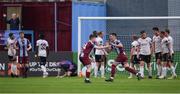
(145, 53)
(23, 45)
(170, 61)
(121, 58)
(85, 55)
(134, 54)
(99, 56)
(165, 54)
(157, 50)
(42, 52)
(11, 46)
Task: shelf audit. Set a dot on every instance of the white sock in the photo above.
(173, 70)
(141, 70)
(95, 71)
(130, 75)
(150, 71)
(102, 71)
(159, 69)
(59, 70)
(164, 71)
(43, 69)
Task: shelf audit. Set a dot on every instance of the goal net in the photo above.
(125, 27)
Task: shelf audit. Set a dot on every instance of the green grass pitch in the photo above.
(98, 85)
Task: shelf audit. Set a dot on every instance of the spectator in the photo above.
(14, 21)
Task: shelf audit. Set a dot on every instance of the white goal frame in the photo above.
(115, 18)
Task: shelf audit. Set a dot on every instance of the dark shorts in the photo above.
(145, 58)
(121, 58)
(42, 60)
(66, 67)
(10, 58)
(171, 58)
(158, 56)
(23, 60)
(165, 57)
(85, 60)
(99, 58)
(135, 60)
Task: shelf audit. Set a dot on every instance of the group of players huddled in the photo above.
(22, 46)
(143, 48)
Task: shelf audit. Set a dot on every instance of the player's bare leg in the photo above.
(141, 69)
(88, 72)
(159, 68)
(172, 70)
(149, 70)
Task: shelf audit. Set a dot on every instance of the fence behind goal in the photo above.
(127, 27)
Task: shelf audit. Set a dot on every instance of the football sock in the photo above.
(113, 70)
(43, 68)
(159, 69)
(150, 71)
(95, 71)
(102, 71)
(173, 70)
(87, 74)
(142, 71)
(164, 71)
(130, 70)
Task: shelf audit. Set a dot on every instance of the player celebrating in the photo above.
(99, 56)
(157, 50)
(170, 61)
(121, 58)
(85, 53)
(11, 44)
(165, 54)
(42, 51)
(134, 53)
(145, 53)
(23, 45)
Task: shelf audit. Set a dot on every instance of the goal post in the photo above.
(80, 19)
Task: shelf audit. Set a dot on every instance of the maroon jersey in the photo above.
(119, 50)
(87, 49)
(122, 58)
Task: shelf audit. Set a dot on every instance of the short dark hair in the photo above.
(162, 32)
(114, 34)
(155, 28)
(167, 31)
(142, 32)
(135, 37)
(10, 34)
(92, 36)
(21, 32)
(95, 33)
(99, 33)
(41, 36)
